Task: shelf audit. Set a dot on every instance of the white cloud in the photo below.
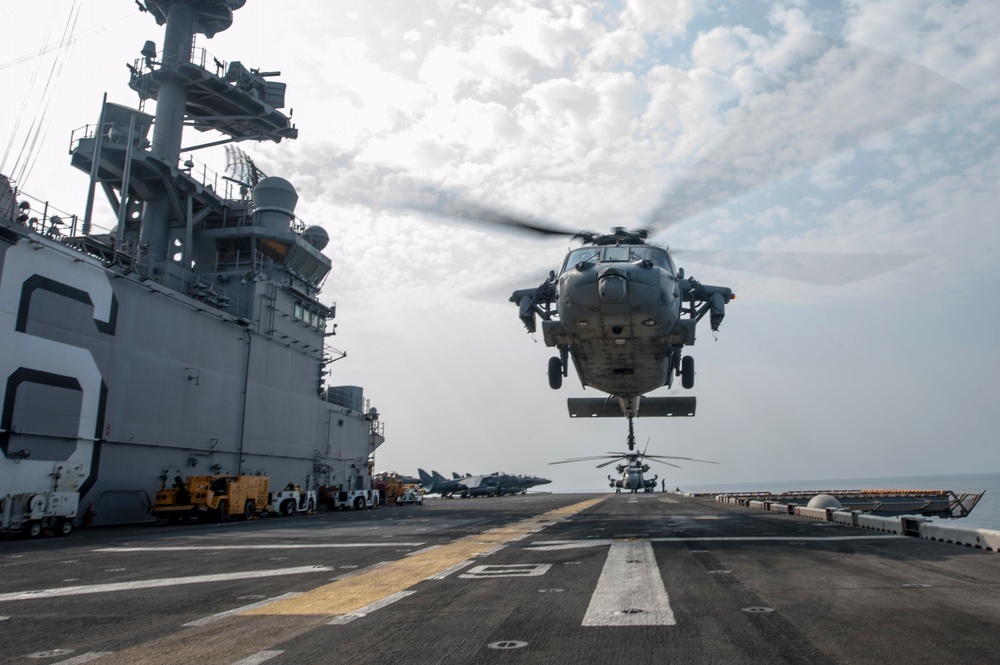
(667, 16)
(722, 48)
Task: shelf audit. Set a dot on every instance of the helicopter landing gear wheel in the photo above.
(555, 373)
(687, 372)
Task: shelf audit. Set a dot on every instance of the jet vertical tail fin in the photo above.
(426, 480)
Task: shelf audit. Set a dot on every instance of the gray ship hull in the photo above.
(139, 383)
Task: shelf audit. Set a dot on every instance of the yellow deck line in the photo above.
(353, 593)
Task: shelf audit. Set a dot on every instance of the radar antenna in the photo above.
(241, 168)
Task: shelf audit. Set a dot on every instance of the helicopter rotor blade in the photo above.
(431, 200)
(667, 463)
(585, 459)
(687, 459)
(809, 116)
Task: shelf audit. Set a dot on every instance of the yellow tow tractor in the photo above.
(211, 498)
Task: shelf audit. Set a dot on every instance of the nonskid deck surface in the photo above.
(647, 578)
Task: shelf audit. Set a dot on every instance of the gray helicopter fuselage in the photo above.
(622, 311)
(632, 477)
(619, 313)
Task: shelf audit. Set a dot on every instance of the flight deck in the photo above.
(553, 578)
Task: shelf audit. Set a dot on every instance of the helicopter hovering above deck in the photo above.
(623, 312)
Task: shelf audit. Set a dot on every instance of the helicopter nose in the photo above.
(612, 285)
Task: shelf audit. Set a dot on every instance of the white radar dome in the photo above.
(316, 236)
(824, 501)
(275, 194)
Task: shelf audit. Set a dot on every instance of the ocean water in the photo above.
(986, 514)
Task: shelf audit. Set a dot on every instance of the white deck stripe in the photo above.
(258, 658)
(630, 581)
(151, 584)
(196, 548)
(84, 658)
(368, 609)
(552, 545)
(251, 606)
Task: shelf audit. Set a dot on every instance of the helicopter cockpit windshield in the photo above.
(619, 254)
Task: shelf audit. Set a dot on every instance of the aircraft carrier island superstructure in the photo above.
(190, 340)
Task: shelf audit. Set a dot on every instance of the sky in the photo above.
(855, 128)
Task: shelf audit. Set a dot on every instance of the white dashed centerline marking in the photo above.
(84, 658)
(630, 591)
(259, 657)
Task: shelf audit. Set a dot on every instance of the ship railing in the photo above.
(229, 221)
(112, 131)
(297, 226)
(199, 56)
(51, 221)
(254, 262)
(192, 168)
(199, 172)
(248, 80)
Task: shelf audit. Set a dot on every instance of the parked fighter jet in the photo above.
(494, 484)
(522, 483)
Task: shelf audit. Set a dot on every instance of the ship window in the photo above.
(298, 310)
(232, 250)
(273, 249)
